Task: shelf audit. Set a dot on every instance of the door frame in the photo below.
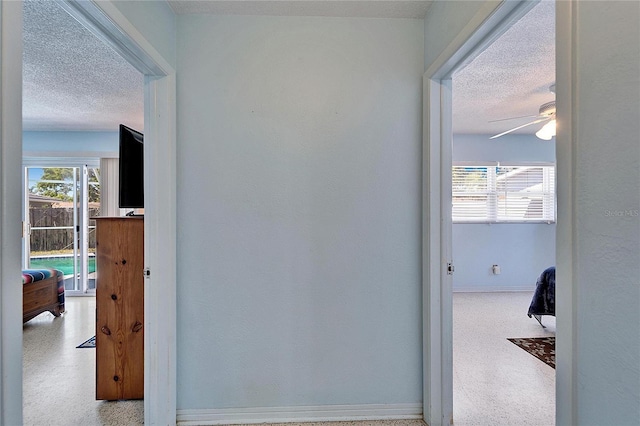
(79, 163)
(109, 24)
(491, 21)
(10, 211)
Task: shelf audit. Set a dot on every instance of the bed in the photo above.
(544, 297)
(42, 291)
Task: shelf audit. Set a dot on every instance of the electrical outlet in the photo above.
(496, 269)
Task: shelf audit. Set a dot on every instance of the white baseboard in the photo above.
(324, 413)
(494, 289)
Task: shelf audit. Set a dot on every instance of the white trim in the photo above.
(112, 28)
(48, 155)
(446, 248)
(489, 23)
(10, 212)
(160, 252)
(491, 20)
(505, 163)
(80, 293)
(504, 222)
(566, 252)
(437, 243)
(495, 289)
(60, 161)
(431, 270)
(105, 20)
(141, 53)
(320, 413)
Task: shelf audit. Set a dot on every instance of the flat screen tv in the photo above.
(131, 168)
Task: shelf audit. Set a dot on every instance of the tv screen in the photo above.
(131, 167)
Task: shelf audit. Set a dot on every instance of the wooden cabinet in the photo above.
(119, 308)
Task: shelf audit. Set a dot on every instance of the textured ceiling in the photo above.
(511, 78)
(72, 81)
(351, 8)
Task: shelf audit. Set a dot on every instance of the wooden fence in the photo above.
(46, 240)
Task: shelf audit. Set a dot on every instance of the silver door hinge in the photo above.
(26, 229)
(450, 268)
(146, 272)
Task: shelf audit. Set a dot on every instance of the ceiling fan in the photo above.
(546, 113)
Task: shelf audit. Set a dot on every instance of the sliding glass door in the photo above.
(59, 232)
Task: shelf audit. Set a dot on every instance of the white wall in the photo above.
(70, 144)
(156, 22)
(506, 148)
(299, 149)
(522, 250)
(603, 242)
(439, 32)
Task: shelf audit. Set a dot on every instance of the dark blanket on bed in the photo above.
(544, 298)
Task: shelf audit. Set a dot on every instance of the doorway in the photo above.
(439, 267)
(503, 223)
(107, 20)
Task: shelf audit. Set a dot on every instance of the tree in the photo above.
(56, 182)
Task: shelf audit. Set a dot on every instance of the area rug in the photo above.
(543, 348)
(91, 343)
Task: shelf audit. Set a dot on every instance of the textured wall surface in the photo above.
(299, 144)
(607, 219)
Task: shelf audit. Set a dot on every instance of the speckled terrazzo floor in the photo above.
(59, 380)
(495, 382)
(363, 423)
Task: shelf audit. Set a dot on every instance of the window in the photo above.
(503, 193)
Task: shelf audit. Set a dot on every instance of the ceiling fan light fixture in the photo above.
(547, 113)
(548, 131)
(548, 109)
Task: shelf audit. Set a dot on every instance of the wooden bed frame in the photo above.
(40, 296)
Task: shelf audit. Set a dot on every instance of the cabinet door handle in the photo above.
(137, 327)
(105, 330)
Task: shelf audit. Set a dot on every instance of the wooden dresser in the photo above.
(119, 308)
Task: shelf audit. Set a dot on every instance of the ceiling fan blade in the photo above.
(540, 120)
(512, 118)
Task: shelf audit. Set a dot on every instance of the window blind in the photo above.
(503, 193)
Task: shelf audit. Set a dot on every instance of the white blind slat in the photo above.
(503, 193)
